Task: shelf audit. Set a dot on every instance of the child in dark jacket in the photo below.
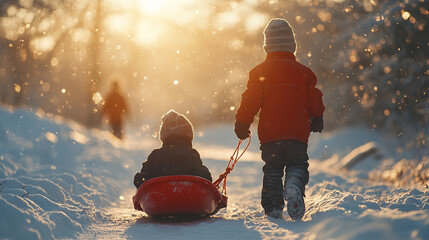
(290, 107)
(176, 156)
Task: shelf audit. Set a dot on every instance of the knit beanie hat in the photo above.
(175, 124)
(279, 36)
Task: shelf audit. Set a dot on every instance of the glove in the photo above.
(138, 180)
(242, 130)
(316, 124)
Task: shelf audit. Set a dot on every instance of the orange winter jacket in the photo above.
(284, 90)
(114, 107)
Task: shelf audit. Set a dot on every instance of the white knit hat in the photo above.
(175, 124)
(279, 37)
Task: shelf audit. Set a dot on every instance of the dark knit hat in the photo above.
(279, 37)
(177, 125)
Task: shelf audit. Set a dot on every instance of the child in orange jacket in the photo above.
(115, 107)
(290, 106)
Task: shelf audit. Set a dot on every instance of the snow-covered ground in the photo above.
(60, 180)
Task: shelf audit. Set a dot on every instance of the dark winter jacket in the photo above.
(284, 90)
(173, 158)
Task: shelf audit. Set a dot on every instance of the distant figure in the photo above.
(290, 107)
(176, 156)
(114, 107)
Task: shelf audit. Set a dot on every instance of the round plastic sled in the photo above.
(179, 196)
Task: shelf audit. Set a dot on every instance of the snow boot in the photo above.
(276, 213)
(295, 202)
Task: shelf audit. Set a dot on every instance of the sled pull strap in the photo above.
(232, 161)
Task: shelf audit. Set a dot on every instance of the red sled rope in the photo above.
(232, 161)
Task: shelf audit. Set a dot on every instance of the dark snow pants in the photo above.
(285, 156)
(117, 130)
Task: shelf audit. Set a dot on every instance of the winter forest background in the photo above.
(371, 58)
(67, 177)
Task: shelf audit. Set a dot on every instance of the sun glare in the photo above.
(119, 23)
(148, 33)
(152, 6)
(156, 18)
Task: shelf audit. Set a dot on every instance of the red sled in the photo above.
(179, 196)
